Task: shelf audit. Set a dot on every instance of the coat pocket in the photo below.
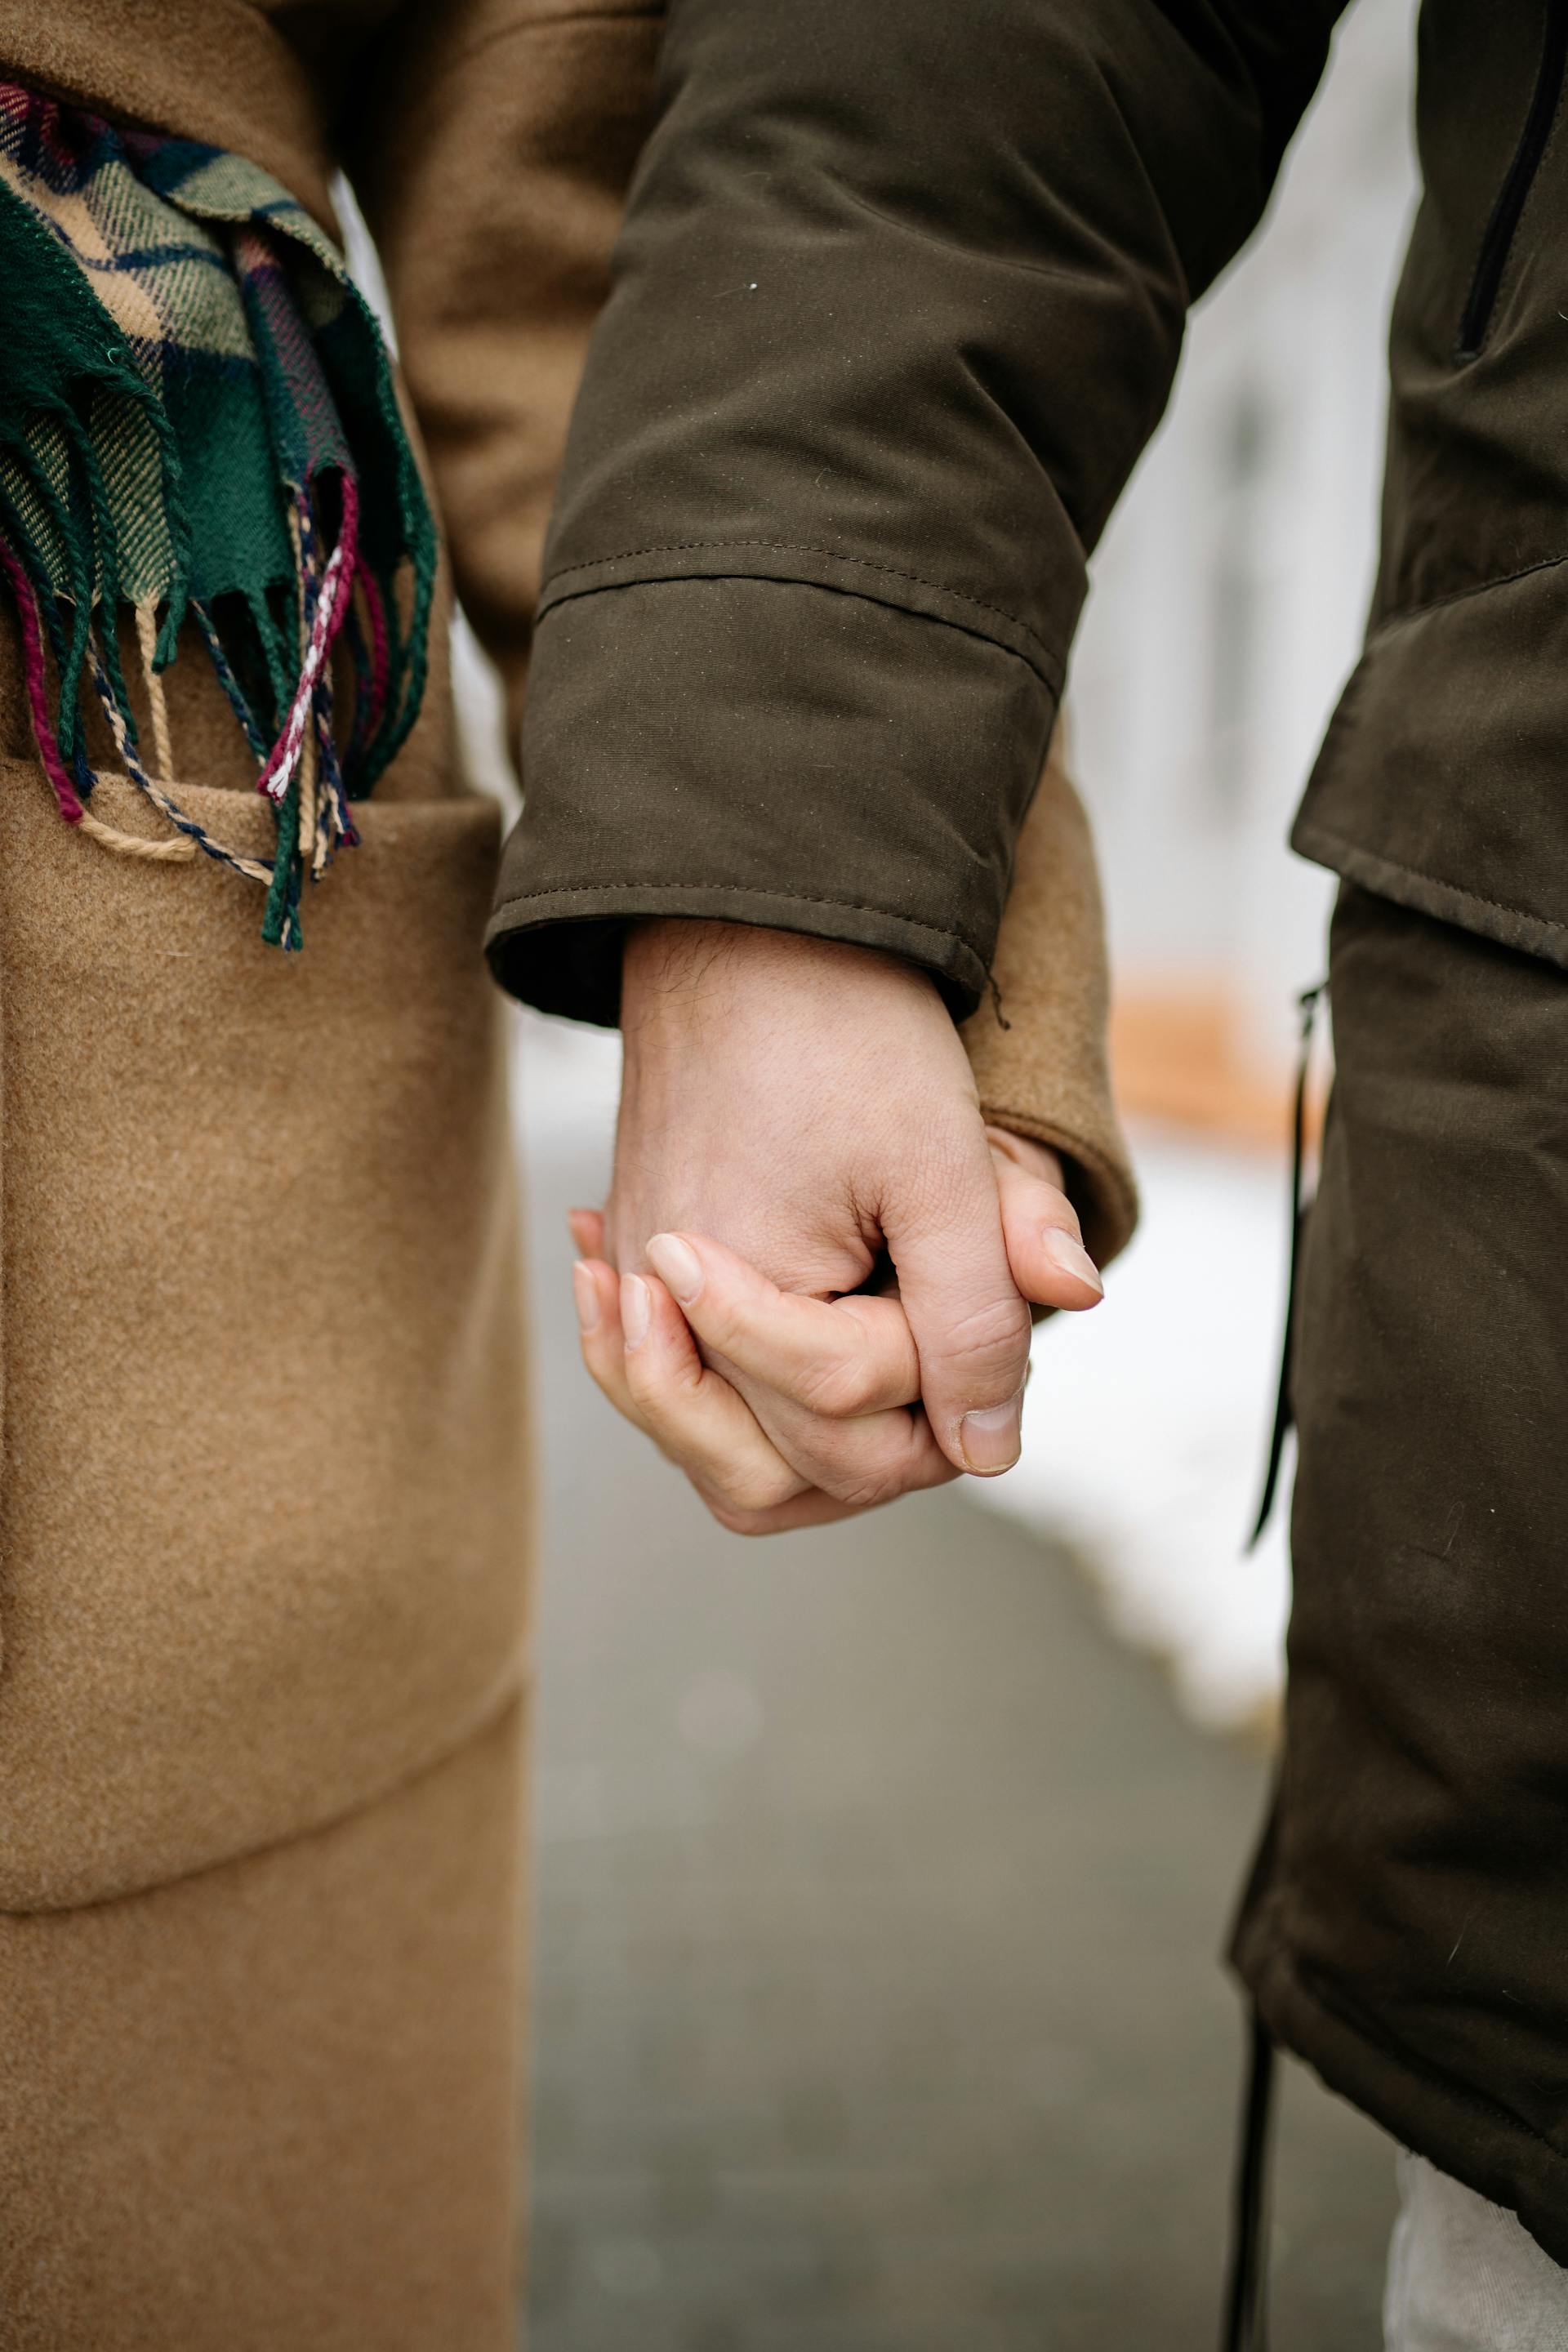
(1503, 222)
(264, 1511)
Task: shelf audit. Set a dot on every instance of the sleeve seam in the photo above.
(792, 547)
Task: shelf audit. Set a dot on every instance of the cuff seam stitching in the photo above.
(792, 547)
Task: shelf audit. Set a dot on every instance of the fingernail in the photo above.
(1070, 1256)
(633, 1309)
(989, 1441)
(678, 1265)
(586, 1294)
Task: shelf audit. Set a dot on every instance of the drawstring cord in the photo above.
(1247, 2293)
(1246, 2326)
(1307, 1005)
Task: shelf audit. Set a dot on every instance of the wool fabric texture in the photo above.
(195, 400)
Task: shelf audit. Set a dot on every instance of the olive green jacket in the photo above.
(898, 304)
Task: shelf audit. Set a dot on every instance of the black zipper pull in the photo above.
(1308, 1002)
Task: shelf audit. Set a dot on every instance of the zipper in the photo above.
(1497, 239)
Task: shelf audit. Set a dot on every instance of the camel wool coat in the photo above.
(265, 1488)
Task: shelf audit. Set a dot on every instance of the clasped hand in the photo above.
(811, 1283)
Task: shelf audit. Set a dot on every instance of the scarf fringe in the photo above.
(89, 452)
(300, 770)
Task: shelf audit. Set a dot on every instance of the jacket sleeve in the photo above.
(897, 303)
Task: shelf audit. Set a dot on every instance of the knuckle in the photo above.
(838, 1387)
(739, 1514)
(865, 1477)
(717, 1318)
(871, 1490)
(646, 1392)
(741, 1523)
(993, 1338)
(659, 1388)
(752, 1488)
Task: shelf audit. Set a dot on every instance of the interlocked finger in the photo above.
(840, 1357)
(862, 1461)
(644, 1360)
(826, 1380)
(636, 1345)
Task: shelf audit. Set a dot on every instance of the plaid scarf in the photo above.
(198, 422)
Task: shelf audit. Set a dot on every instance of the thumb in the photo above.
(942, 1226)
(1040, 1225)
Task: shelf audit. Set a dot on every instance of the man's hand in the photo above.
(807, 1107)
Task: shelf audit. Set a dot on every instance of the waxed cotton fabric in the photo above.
(801, 667)
(1404, 1927)
(898, 303)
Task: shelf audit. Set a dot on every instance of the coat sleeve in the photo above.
(897, 303)
(1037, 1048)
(490, 146)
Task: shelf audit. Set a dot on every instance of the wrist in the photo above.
(677, 970)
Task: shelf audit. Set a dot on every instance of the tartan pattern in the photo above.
(197, 414)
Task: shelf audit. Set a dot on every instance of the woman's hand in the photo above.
(830, 1420)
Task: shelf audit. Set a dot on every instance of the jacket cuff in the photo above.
(775, 751)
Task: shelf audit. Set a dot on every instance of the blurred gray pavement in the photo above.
(879, 1896)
